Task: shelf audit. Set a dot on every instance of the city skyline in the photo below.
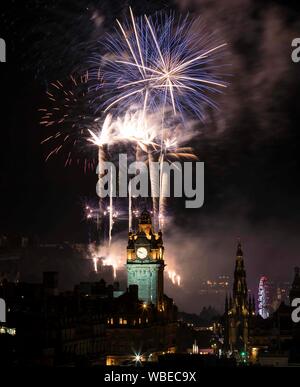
(250, 164)
(211, 291)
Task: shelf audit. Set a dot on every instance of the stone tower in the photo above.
(145, 262)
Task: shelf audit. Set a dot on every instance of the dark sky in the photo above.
(250, 146)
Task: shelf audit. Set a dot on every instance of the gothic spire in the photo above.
(239, 251)
(240, 291)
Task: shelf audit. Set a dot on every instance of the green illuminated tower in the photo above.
(145, 262)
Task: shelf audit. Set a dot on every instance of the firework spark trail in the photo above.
(129, 208)
(170, 150)
(111, 261)
(154, 187)
(106, 256)
(160, 61)
(111, 209)
(101, 159)
(162, 186)
(103, 137)
(174, 277)
(95, 262)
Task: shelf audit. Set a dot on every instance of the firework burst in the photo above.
(158, 61)
(66, 118)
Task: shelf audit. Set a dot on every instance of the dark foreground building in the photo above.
(94, 323)
(86, 326)
(274, 341)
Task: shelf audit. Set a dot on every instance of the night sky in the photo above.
(250, 146)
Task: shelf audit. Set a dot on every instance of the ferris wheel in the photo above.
(263, 297)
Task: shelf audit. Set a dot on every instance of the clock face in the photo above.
(142, 252)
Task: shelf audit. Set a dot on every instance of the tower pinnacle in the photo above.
(145, 217)
(239, 251)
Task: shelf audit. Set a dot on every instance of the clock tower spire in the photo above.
(145, 261)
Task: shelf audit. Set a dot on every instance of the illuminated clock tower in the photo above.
(145, 262)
